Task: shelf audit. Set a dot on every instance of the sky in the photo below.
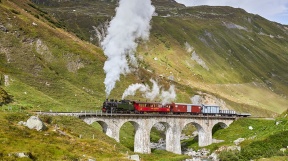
(273, 10)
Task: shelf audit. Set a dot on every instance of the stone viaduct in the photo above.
(174, 125)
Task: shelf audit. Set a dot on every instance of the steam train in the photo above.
(138, 107)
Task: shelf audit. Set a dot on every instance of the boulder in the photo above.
(22, 155)
(134, 157)
(35, 123)
(3, 28)
(22, 123)
(238, 141)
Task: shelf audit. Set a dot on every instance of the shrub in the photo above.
(4, 97)
(14, 11)
(229, 155)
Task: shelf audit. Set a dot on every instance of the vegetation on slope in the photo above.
(264, 139)
(65, 138)
(5, 98)
(240, 50)
(60, 141)
(267, 139)
(47, 66)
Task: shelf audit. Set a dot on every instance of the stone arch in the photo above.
(104, 126)
(136, 125)
(220, 124)
(204, 133)
(199, 128)
(166, 128)
(108, 128)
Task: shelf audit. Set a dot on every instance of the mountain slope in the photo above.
(222, 52)
(42, 64)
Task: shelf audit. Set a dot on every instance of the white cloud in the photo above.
(274, 10)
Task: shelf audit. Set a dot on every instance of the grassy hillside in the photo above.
(245, 55)
(65, 138)
(44, 67)
(61, 143)
(264, 140)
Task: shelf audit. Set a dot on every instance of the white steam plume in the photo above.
(168, 96)
(151, 94)
(130, 24)
(131, 90)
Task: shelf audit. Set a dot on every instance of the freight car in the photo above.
(216, 110)
(184, 108)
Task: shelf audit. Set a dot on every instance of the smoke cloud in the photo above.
(151, 93)
(131, 23)
(168, 96)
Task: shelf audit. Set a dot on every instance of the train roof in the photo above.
(149, 102)
(210, 105)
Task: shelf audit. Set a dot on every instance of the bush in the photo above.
(4, 97)
(229, 155)
(14, 11)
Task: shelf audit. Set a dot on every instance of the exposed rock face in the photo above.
(73, 62)
(3, 28)
(43, 50)
(35, 123)
(197, 155)
(205, 98)
(6, 80)
(231, 25)
(238, 141)
(195, 56)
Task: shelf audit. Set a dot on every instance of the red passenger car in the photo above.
(179, 108)
(149, 107)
